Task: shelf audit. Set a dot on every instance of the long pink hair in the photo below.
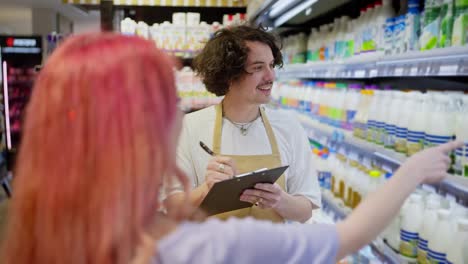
(95, 147)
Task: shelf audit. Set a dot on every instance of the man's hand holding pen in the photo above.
(219, 168)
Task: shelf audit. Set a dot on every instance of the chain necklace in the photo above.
(243, 127)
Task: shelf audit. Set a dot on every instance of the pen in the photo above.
(207, 149)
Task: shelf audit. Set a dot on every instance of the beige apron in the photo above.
(249, 163)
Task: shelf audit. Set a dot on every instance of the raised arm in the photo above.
(369, 219)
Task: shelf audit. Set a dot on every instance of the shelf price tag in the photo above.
(391, 71)
(407, 70)
(398, 71)
(373, 73)
(434, 68)
(462, 68)
(359, 73)
(422, 68)
(381, 71)
(448, 69)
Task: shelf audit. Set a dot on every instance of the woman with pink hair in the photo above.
(100, 136)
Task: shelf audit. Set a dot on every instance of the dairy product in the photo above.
(439, 241)
(430, 31)
(458, 254)
(384, 13)
(441, 125)
(383, 109)
(392, 119)
(410, 227)
(389, 36)
(417, 125)
(428, 225)
(412, 26)
(446, 24)
(461, 154)
(460, 24)
(351, 105)
(399, 30)
(362, 113)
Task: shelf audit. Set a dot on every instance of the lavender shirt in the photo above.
(248, 241)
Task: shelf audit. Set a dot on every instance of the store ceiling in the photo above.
(70, 11)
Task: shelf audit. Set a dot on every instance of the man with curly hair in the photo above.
(239, 63)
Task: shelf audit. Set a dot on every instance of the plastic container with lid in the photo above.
(441, 125)
(417, 124)
(403, 121)
(372, 125)
(353, 96)
(458, 253)
(410, 227)
(461, 131)
(460, 24)
(430, 31)
(362, 113)
(440, 238)
(382, 116)
(428, 225)
(375, 179)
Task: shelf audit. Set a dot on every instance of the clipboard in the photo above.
(224, 195)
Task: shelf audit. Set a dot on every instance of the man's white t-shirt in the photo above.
(293, 145)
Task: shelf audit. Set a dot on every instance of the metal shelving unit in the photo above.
(436, 63)
(455, 185)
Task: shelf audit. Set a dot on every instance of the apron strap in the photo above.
(219, 125)
(269, 131)
(217, 129)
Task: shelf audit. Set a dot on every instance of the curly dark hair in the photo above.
(223, 58)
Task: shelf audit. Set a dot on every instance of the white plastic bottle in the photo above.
(401, 140)
(351, 105)
(439, 240)
(410, 228)
(428, 225)
(392, 119)
(385, 12)
(458, 253)
(441, 125)
(417, 125)
(366, 22)
(461, 158)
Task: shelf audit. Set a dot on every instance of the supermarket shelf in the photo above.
(386, 254)
(438, 62)
(455, 185)
(185, 3)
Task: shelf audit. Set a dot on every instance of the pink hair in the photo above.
(95, 146)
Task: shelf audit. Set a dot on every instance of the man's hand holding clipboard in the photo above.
(225, 195)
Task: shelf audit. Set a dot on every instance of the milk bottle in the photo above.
(410, 228)
(392, 119)
(351, 105)
(460, 24)
(384, 108)
(461, 158)
(417, 125)
(439, 240)
(428, 225)
(440, 127)
(360, 119)
(372, 124)
(458, 253)
(403, 121)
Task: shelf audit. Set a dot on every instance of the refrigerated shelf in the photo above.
(446, 62)
(455, 185)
